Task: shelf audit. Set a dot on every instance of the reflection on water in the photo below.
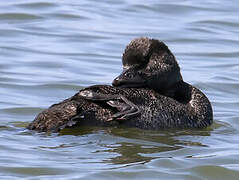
(141, 151)
(51, 49)
(136, 146)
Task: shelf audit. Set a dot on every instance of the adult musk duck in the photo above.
(150, 94)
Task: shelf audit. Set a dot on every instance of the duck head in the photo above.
(148, 63)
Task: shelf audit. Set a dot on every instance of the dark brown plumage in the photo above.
(150, 94)
(152, 63)
(157, 111)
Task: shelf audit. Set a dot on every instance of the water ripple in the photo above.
(18, 16)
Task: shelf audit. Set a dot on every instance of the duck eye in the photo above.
(129, 75)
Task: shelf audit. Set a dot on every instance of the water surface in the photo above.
(51, 49)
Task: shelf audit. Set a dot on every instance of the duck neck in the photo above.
(179, 91)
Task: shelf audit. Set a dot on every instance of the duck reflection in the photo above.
(141, 146)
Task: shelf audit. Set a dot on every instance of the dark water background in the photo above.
(51, 49)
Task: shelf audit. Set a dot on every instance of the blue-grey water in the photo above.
(51, 49)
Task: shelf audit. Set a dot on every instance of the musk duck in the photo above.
(149, 94)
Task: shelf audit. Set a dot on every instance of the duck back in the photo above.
(156, 111)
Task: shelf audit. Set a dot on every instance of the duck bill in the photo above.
(121, 81)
